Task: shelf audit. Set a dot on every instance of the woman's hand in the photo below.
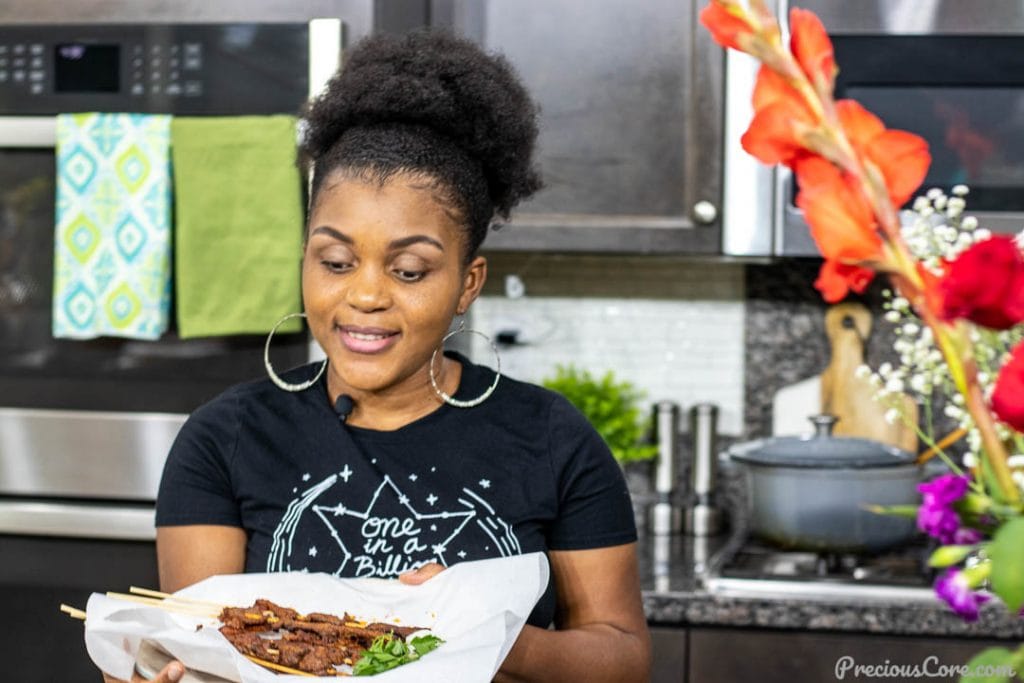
(421, 574)
(170, 674)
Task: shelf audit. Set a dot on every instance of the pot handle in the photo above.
(823, 424)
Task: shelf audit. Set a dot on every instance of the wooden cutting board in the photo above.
(840, 392)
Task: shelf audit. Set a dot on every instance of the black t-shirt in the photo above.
(522, 472)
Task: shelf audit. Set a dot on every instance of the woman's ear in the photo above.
(472, 283)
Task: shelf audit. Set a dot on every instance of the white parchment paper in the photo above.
(478, 608)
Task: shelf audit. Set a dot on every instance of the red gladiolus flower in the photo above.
(778, 133)
(842, 225)
(836, 280)
(812, 48)
(985, 284)
(727, 29)
(1008, 396)
(902, 157)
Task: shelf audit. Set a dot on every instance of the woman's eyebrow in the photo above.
(331, 232)
(414, 239)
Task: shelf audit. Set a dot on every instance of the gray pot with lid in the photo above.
(811, 492)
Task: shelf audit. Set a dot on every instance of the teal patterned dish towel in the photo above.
(112, 258)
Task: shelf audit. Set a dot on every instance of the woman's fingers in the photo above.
(418, 576)
(171, 673)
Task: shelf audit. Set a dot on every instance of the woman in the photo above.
(393, 460)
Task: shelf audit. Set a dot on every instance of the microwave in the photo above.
(942, 69)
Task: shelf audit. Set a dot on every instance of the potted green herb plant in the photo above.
(611, 406)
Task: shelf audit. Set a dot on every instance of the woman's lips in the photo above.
(366, 339)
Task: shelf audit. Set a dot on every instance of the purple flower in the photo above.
(944, 490)
(936, 516)
(954, 587)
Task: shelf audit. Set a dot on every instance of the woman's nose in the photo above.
(367, 290)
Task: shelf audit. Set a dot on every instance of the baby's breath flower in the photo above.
(1015, 461)
(892, 316)
(862, 372)
(911, 328)
(885, 369)
(934, 193)
(982, 234)
(969, 223)
(952, 411)
(960, 190)
(894, 385)
(892, 415)
(970, 460)
(1018, 479)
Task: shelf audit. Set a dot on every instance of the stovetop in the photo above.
(757, 568)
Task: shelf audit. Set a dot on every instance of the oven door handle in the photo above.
(28, 131)
(77, 520)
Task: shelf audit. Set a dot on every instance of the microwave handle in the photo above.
(28, 131)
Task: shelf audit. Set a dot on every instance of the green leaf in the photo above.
(994, 660)
(388, 652)
(894, 510)
(1007, 554)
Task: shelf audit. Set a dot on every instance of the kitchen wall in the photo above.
(671, 326)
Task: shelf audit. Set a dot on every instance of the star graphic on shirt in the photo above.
(312, 551)
(433, 469)
(485, 483)
(461, 554)
(306, 476)
(413, 477)
(356, 532)
(345, 473)
(431, 499)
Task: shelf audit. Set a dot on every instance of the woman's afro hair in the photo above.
(429, 102)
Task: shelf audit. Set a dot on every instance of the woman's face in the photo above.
(383, 275)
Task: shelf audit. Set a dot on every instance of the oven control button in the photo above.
(193, 63)
(19, 63)
(3, 62)
(193, 49)
(138, 89)
(36, 76)
(19, 49)
(3, 76)
(18, 76)
(36, 88)
(36, 49)
(36, 63)
(3, 49)
(193, 88)
(173, 89)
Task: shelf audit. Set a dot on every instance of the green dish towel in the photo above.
(238, 224)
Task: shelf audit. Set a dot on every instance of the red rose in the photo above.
(1008, 396)
(985, 284)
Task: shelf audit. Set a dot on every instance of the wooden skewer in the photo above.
(946, 441)
(72, 612)
(194, 610)
(281, 668)
(170, 596)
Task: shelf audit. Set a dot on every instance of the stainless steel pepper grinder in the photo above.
(703, 518)
(665, 517)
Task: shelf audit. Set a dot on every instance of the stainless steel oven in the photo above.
(85, 425)
(948, 70)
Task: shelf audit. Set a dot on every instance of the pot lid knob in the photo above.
(823, 424)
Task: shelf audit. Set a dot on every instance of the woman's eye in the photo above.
(335, 266)
(410, 275)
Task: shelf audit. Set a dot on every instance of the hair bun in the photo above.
(448, 84)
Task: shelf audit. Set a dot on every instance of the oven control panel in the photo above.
(158, 68)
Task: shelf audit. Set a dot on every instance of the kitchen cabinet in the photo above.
(766, 656)
(630, 123)
(668, 660)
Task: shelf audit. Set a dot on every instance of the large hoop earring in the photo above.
(497, 372)
(270, 368)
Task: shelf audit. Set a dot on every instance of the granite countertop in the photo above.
(673, 594)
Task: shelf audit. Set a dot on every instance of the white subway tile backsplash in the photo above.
(687, 349)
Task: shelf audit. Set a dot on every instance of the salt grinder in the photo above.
(665, 518)
(703, 518)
